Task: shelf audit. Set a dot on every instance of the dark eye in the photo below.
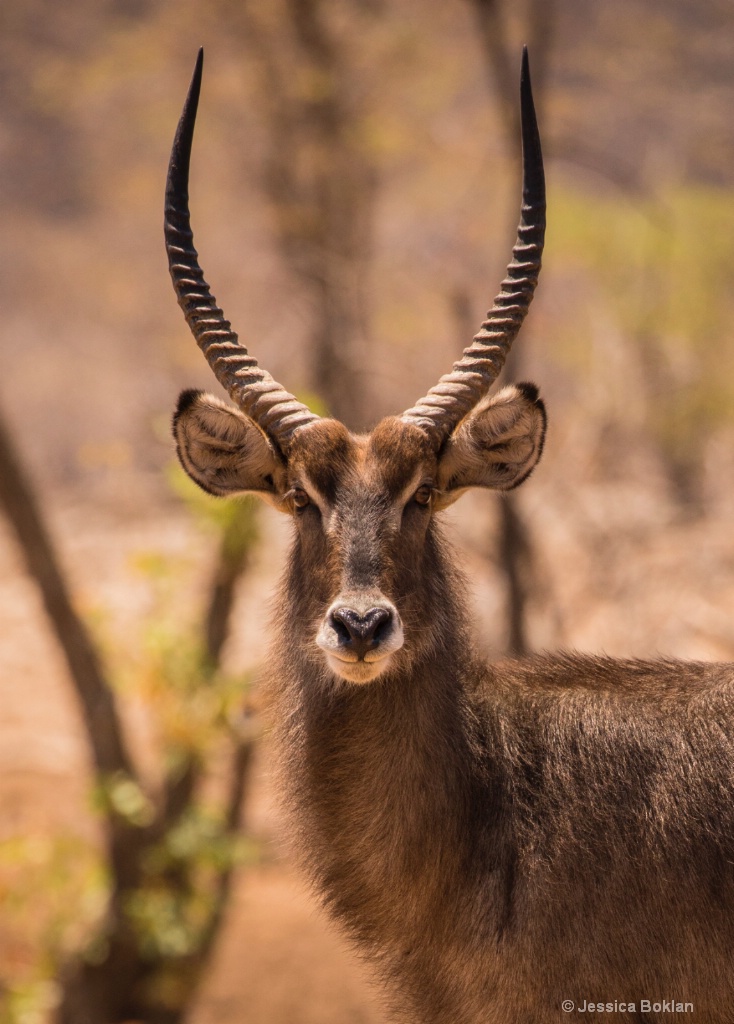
(300, 498)
(423, 495)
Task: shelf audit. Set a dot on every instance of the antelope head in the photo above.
(363, 505)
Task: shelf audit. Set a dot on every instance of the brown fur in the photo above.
(496, 838)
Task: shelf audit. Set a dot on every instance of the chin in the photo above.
(358, 671)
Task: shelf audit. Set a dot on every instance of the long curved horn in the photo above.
(458, 392)
(251, 388)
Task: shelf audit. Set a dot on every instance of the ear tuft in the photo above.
(186, 399)
(497, 445)
(221, 449)
(530, 391)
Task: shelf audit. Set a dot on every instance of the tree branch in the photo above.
(92, 689)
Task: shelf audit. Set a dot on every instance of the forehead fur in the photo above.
(396, 450)
(387, 458)
(325, 451)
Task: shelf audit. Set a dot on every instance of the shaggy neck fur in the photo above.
(369, 772)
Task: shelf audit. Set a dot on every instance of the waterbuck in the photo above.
(516, 842)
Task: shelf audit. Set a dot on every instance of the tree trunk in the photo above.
(514, 542)
(322, 187)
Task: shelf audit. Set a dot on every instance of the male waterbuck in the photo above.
(515, 842)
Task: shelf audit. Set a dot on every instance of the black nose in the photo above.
(361, 633)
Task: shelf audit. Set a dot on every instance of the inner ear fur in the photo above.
(497, 445)
(222, 450)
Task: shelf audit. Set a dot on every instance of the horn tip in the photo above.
(198, 68)
(525, 69)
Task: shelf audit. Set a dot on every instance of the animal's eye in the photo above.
(300, 498)
(423, 495)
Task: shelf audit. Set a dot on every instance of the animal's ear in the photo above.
(497, 445)
(222, 450)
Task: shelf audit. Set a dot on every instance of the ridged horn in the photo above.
(250, 387)
(458, 392)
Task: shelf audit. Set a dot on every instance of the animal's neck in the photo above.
(371, 770)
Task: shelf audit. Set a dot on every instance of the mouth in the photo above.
(358, 670)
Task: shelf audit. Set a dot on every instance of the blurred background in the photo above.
(355, 192)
